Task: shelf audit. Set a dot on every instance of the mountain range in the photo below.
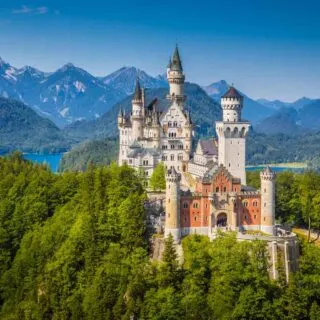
(293, 120)
(73, 98)
(70, 93)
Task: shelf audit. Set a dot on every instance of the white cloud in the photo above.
(30, 10)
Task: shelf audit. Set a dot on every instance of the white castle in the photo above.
(206, 189)
(148, 136)
(163, 130)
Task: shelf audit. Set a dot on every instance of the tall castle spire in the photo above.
(137, 92)
(176, 78)
(176, 61)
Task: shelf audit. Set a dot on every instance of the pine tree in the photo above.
(158, 180)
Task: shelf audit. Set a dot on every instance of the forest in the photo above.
(77, 246)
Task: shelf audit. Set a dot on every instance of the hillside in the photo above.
(291, 120)
(23, 129)
(204, 111)
(280, 148)
(98, 152)
(261, 148)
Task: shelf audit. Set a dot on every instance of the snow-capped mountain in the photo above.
(8, 79)
(70, 93)
(123, 80)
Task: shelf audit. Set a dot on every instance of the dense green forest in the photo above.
(21, 128)
(76, 246)
(97, 152)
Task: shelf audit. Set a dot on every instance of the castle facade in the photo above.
(206, 188)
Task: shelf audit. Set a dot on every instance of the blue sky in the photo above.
(267, 48)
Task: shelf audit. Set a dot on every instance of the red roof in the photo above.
(232, 93)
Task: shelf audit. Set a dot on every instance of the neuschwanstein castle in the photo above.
(206, 189)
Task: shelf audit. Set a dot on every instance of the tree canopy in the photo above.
(76, 246)
(158, 178)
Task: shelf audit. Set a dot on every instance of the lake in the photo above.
(275, 169)
(52, 160)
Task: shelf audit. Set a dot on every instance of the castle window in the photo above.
(206, 205)
(224, 189)
(196, 205)
(255, 203)
(217, 189)
(245, 217)
(255, 217)
(185, 205)
(172, 146)
(180, 156)
(172, 157)
(264, 219)
(245, 203)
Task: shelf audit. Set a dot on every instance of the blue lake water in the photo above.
(52, 160)
(275, 169)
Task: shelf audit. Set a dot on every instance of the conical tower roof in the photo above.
(137, 91)
(176, 64)
(232, 93)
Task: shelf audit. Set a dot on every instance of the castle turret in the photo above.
(188, 136)
(172, 223)
(120, 117)
(176, 78)
(232, 131)
(155, 129)
(232, 104)
(137, 112)
(268, 177)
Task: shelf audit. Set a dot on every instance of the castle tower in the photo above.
(176, 78)
(188, 136)
(232, 131)
(137, 113)
(122, 139)
(155, 129)
(172, 222)
(267, 177)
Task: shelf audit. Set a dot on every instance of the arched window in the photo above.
(245, 203)
(217, 189)
(185, 205)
